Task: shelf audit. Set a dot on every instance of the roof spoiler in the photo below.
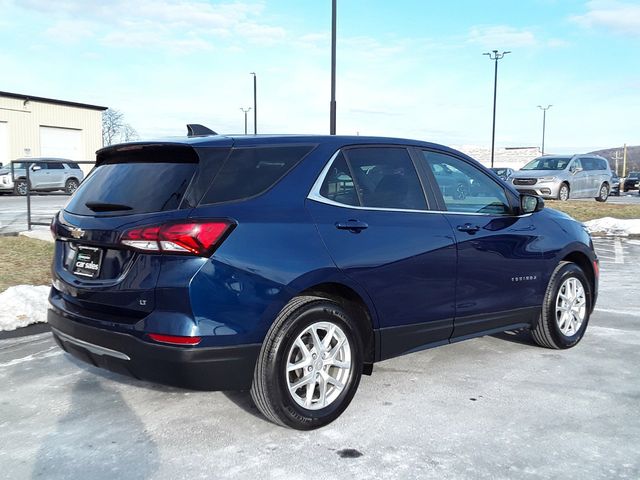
(196, 130)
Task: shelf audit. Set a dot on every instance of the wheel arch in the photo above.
(586, 265)
(357, 307)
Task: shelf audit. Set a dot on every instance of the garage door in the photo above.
(4, 143)
(61, 142)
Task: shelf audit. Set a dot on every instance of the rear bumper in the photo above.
(208, 368)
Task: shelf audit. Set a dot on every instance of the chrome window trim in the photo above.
(314, 194)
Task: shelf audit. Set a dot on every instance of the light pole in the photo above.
(495, 56)
(544, 122)
(332, 113)
(255, 103)
(245, 110)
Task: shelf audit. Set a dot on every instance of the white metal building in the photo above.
(44, 127)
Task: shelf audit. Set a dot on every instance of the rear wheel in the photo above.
(603, 194)
(566, 308)
(563, 192)
(71, 186)
(310, 364)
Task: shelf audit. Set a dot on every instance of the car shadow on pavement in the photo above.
(242, 399)
(522, 337)
(98, 437)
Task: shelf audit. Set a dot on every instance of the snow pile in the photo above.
(23, 305)
(614, 226)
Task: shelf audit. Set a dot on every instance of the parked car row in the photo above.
(45, 175)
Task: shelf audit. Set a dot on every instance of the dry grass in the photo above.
(584, 211)
(24, 261)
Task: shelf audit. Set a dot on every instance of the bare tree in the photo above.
(115, 129)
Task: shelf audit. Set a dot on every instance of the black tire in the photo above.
(461, 192)
(71, 186)
(603, 193)
(561, 190)
(546, 332)
(270, 391)
(20, 187)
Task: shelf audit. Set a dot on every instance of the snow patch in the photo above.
(23, 305)
(614, 226)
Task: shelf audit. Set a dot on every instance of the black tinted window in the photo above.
(145, 187)
(251, 171)
(73, 165)
(386, 178)
(338, 184)
(55, 166)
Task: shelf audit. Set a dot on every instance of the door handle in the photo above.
(469, 228)
(354, 226)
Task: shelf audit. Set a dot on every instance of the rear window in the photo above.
(251, 171)
(132, 187)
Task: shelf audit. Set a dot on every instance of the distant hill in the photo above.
(633, 157)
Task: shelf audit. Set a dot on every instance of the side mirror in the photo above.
(35, 168)
(530, 204)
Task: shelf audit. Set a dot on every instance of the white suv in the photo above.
(45, 175)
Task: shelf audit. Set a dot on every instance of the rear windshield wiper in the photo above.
(106, 207)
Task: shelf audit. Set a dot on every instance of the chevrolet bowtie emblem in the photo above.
(77, 232)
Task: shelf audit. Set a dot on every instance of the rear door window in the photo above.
(386, 178)
(250, 171)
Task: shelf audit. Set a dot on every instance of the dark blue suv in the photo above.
(289, 265)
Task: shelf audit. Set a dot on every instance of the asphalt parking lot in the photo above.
(13, 210)
(493, 407)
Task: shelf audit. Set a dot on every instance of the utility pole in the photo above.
(495, 56)
(617, 158)
(332, 113)
(255, 103)
(624, 161)
(245, 110)
(544, 122)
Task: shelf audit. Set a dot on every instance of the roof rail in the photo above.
(195, 130)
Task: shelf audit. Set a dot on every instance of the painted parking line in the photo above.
(619, 251)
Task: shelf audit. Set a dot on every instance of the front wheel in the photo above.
(21, 187)
(310, 364)
(566, 308)
(603, 194)
(563, 192)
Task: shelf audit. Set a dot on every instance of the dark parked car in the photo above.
(503, 173)
(632, 182)
(615, 184)
(289, 265)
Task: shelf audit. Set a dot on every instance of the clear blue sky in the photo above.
(409, 68)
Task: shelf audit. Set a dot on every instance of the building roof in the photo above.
(54, 101)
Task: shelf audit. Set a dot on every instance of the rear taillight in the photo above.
(193, 237)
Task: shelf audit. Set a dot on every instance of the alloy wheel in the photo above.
(571, 306)
(564, 193)
(318, 365)
(604, 192)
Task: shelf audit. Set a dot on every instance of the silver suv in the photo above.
(46, 175)
(563, 176)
